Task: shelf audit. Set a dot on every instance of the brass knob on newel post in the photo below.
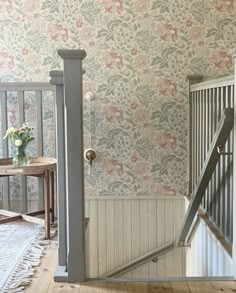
(90, 156)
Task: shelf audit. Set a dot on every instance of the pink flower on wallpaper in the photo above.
(113, 167)
(134, 51)
(167, 87)
(141, 168)
(90, 191)
(88, 87)
(142, 61)
(141, 115)
(163, 189)
(25, 51)
(167, 32)
(31, 6)
(141, 6)
(134, 105)
(113, 60)
(189, 23)
(6, 60)
(222, 59)
(168, 190)
(86, 33)
(134, 158)
(113, 113)
(167, 141)
(72, 45)
(113, 6)
(79, 23)
(197, 33)
(224, 5)
(6, 6)
(58, 32)
(33, 61)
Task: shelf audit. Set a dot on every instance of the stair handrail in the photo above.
(221, 135)
(152, 255)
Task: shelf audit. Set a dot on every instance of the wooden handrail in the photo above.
(26, 86)
(213, 83)
(222, 133)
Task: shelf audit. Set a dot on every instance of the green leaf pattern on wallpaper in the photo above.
(138, 56)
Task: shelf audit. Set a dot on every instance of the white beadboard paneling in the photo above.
(122, 229)
(162, 266)
(127, 231)
(119, 260)
(207, 257)
(152, 218)
(93, 239)
(144, 237)
(87, 239)
(136, 252)
(161, 224)
(102, 235)
(169, 235)
(110, 237)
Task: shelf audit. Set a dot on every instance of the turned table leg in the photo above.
(47, 203)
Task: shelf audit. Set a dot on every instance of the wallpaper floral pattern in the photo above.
(139, 55)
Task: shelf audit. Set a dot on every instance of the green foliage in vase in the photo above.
(20, 137)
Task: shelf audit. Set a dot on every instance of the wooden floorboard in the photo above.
(43, 282)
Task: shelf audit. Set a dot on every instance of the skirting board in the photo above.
(60, 274)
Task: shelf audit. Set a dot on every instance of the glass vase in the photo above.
(20, 158)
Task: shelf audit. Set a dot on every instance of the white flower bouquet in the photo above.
(20, 137)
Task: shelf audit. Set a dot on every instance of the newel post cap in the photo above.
(56, 77)
(72, 54)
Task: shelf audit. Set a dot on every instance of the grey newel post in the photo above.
(234, 171)
(57, 80)
(192, 79)
(74, 162)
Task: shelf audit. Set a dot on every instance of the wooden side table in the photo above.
(39, 167)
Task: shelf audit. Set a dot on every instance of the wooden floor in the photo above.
(43, 282)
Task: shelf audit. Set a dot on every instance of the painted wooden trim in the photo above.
(234, 169)
(23, 179)
(221, 135)
(39, 123)
(72, 54)
(73, 99)
(165, 279)
(61, 185)
(56, 77)
(193, 79)
(26, 86)
(61, 275)
(133, 197)
(5, 152)
(213, 83)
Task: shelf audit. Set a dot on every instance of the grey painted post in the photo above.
(57, 80)
(39, 123)
(23, 180)
(74, 162)
(193, 79)
(6, 190)
(233, 53)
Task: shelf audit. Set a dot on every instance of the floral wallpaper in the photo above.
(139, 53)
